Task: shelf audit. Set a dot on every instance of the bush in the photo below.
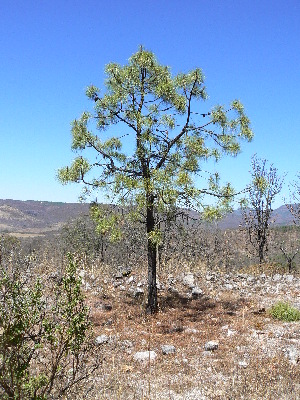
(10, 248)
(285, 312)
(45, 342)
(80, 237)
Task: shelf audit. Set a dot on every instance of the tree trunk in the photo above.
(152, 305)
(261, 253)
(261, 245)
(290, 264)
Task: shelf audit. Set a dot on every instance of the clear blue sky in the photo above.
(51, 50)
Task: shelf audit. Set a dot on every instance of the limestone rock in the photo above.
(144, 356)
(211, 345)
(293, 354)
(243, 364)
(82, 273)
(130, 280)
(102, 339)
(168, 349)
(189, 280)
(228, 286)
(289, 278)
(196, 293)
(277, 277)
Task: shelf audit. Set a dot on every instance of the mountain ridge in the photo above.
(42, 217)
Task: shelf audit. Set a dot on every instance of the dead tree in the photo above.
(265, 185)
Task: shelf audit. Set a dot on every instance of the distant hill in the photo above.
(32, 218)
(37, 217)
(280, 217)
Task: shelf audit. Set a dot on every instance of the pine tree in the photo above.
(151, 145)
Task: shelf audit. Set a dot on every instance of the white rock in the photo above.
(82, 274)
(168, 349)
(289, 278)
(191, 330)
(243, 364)
(230, 332)
(102, 339)
(228, 286)
(143, 356)
(277, 277)
(212, 345)
(293, 354)
(196, 292)
(127, 346)
(130, 280)
(189, 280)
(159, 286)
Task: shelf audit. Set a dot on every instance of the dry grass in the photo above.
(249, 363)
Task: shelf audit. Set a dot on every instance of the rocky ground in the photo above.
(211, 339)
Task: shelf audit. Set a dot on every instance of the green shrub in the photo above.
(285, 312)
(45, 338)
